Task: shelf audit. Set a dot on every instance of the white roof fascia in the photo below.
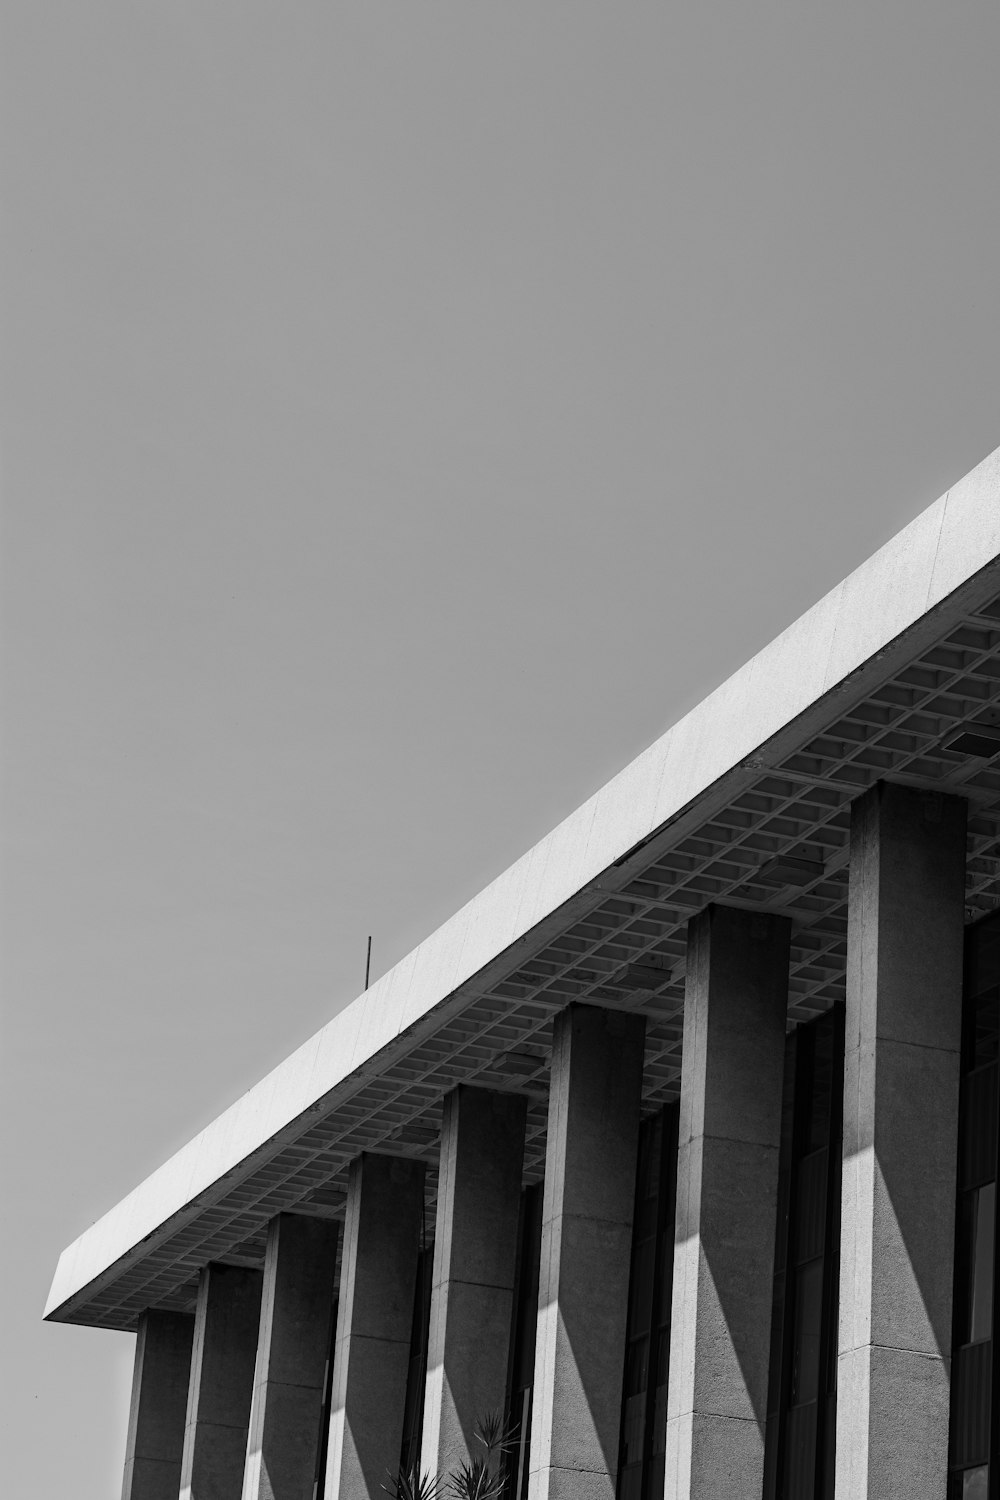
(941, 565)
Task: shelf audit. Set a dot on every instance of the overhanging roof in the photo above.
(869, 683)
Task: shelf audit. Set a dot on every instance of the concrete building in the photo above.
(678, 1143)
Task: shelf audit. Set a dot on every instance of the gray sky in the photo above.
(408, 412)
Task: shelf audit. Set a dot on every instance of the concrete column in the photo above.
(159, 1400)
(735, 1004)
(385, 1203)
(590, 1163)
(475, 1259)
(300, 1272)
(222, 1365)
(904, 1011)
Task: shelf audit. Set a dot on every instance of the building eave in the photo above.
(940, 569)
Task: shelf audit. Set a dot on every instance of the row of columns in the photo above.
(228, 1405)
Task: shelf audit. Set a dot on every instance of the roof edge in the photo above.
(947, 558)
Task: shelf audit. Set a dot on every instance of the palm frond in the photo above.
(496, 1434)
(414, 1486)
(476, 1481)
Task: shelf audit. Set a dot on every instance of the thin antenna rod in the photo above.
(368, 963)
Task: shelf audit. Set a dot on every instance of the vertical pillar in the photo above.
(475, 1259)
(735, 1004)
(590, 1161)
(382, 1228)
(300, 1270)
(159, 1399)
(904, 1007)
(222, 1365)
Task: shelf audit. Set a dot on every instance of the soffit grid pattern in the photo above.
(799, 808)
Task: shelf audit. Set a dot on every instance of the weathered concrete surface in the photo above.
(735, 1002)
(160, 1381)
(475, 1260)
(903, 597)
(904, 1012)
(222, 1365)
(590, 1163)
(382, 1227)
(300, 1272)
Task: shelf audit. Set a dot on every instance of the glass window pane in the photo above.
(808, 1325)
(981, 1280)
(976, 1483)
(987, 1015)
(637, 1367)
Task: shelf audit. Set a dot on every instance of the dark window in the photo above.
(802, 1395)
(416, 1376)
(647, 1348)
(975, 1472)
(979, 1314)
(319, 1482)
(973, 1484)
(522, 1362)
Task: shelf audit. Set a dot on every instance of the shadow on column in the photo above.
(594, 1098)
(904, 996)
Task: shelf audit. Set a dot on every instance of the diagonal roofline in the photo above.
(938, 568)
